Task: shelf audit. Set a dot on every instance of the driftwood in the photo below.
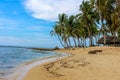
(98, 50)
(94, 51)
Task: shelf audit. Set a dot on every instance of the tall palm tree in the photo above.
(59, 29)
(88, 17)
(57, 32)
(71, 27)
(80, 31)
(62, 20)
(100, 5)
(109, 16)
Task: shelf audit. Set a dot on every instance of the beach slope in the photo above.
(104, 65)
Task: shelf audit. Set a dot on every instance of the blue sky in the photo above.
(29, 22)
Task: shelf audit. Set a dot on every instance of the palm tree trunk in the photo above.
(90, 36)
(114, 34)
(69, 42)
(81, 42)
(96, 39)
(104, 32)
(61, 41)
(93, 42)
(84, 42)
(74, 42)
(78, 42)
(90, 40)
(104, 37)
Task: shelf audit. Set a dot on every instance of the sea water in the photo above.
(10, 57)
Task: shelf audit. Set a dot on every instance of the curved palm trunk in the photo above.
(114, 34)
(69, 42)
(78, 42)
(91, 40)
(90, 36)
(101, 19)
(84, 42)
(61, 41)
(104, 36)
(75, 42)
(96, 39)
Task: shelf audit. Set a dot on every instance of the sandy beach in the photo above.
(80, 65)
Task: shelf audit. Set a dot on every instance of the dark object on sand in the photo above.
(98, 50)
(94, 51)
(91, 52)
(56, 48)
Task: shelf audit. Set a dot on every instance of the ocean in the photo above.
(11, 57)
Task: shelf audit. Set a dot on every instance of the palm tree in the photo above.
(85, 25)
(100, 5)
(62, 20)
(115, 18)
(109, 16)
(88, 17)
(81, 31)
(71, 27)
(57, 32)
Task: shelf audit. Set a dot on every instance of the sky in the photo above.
(29, 22)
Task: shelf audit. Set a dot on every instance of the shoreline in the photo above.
(22, 70)
(81, 66)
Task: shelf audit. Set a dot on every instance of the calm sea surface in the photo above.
(10, 57)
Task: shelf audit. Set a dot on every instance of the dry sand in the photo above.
(104, 65)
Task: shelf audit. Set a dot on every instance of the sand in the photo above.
(80, 65)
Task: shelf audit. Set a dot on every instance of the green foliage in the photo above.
(78, 28)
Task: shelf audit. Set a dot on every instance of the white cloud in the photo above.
(49, 9)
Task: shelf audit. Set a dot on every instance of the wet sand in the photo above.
(80, 65)
(21, 70)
